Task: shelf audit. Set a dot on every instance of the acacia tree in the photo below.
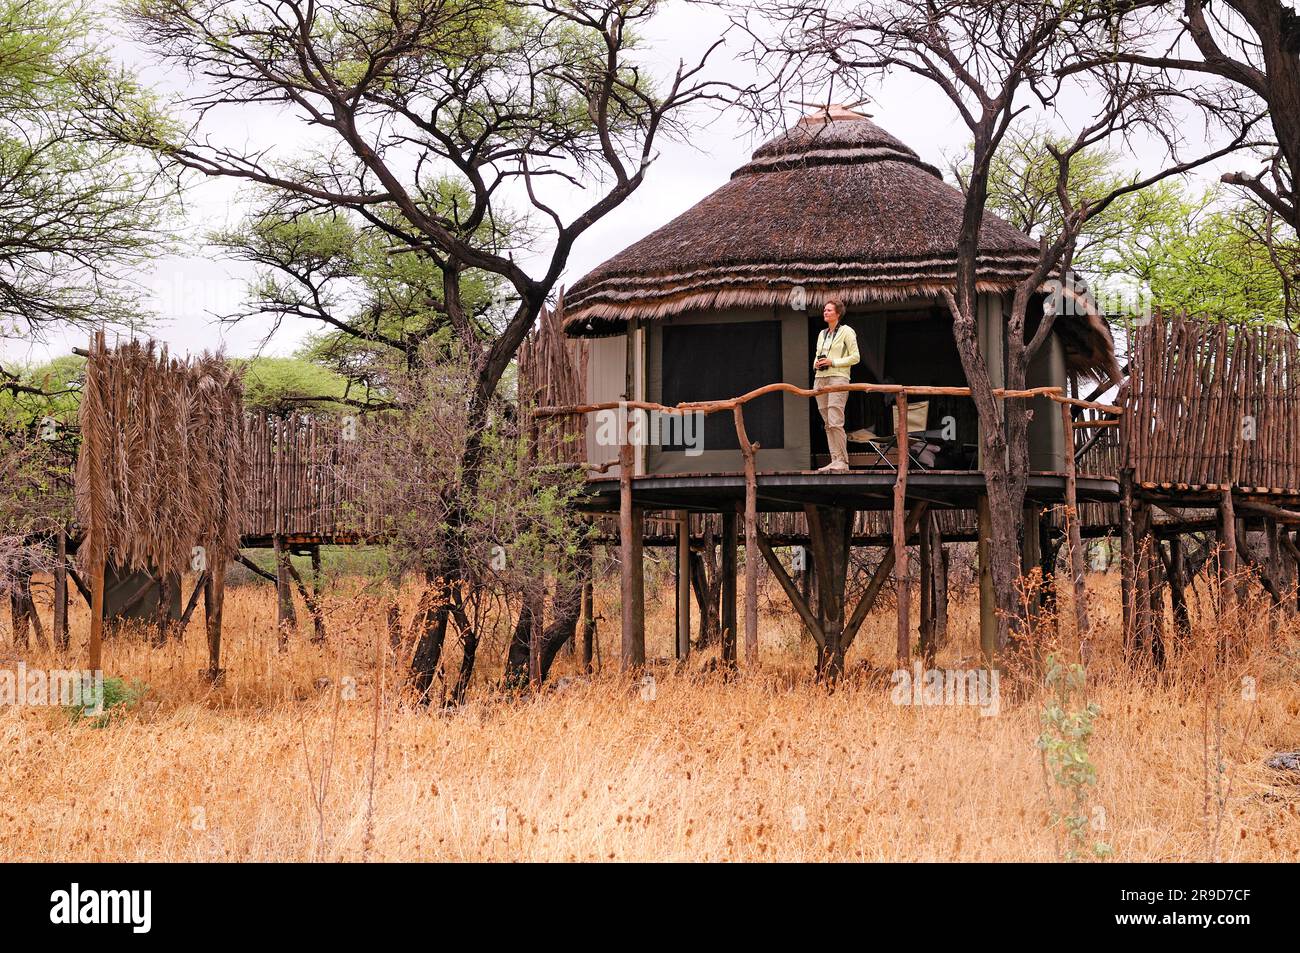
(994, 63)
(1252, 44)
(525, 106)
(77, 211)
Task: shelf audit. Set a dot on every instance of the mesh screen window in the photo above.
(720, 361)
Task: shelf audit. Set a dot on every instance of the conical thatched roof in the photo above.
(836, 206)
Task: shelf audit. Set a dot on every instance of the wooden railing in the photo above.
(1213, 406)
(901, 519)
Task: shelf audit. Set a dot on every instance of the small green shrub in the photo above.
(120, 696)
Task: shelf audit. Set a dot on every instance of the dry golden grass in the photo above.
(763, 767)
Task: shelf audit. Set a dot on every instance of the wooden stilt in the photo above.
(311, 600)
(728, 612)
(830, 529)
(588, 625)
(683, 585)
(286, 618)
(61, 633)
(939, 582)
(96, 583)
(751, 540)
(632, 655)
(214, 598)
(317, 583)
(1176, 572)
(1155, 591)
(1227, 570)
(926, 559)
(1047, 553)
(1142, 620)
(988, 602)
(902, 589)
(1128, 563)
(1077, 568)
(1031, 561)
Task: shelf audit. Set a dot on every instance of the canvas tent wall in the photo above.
(717, 355)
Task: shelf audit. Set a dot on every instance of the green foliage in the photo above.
(120, 696)
(1067, 724)
(59, 379)
(1207, 256)
(78, 210)
(283, 385)
(1168, 246)
(369, 298)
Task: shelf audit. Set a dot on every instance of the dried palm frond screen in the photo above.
(159, 473)
(553, 372)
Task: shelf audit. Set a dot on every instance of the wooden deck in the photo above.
(789, 491)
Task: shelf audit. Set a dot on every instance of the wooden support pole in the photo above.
(683, 585)
(1155, 592)
(588, 625)
(902, 591)
(286, 618)
(1077, 568)
(629, 543)
(939, 582)
(926, 558)
(830, 529)
(1227, 569)
(537, 584)
(638, 589)
(61, 633)
(95, 647)
(1128, 563)
(163, 609)
(1142, 618)
(1176, 572)
(214, 598)
(730, 541)
(751, 540)
(988, 602)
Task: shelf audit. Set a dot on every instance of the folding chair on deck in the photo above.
(922, 444)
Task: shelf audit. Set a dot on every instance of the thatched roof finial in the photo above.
(831, 112)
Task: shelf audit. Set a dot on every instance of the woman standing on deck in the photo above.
(837, 352)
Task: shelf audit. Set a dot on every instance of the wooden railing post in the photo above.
(901, 590)
(631, 542)
(1075, 536)
(751, 539)
(683, 585)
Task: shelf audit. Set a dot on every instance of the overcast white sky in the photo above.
(188, 289)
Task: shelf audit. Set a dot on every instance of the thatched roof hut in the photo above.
(835, 206)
